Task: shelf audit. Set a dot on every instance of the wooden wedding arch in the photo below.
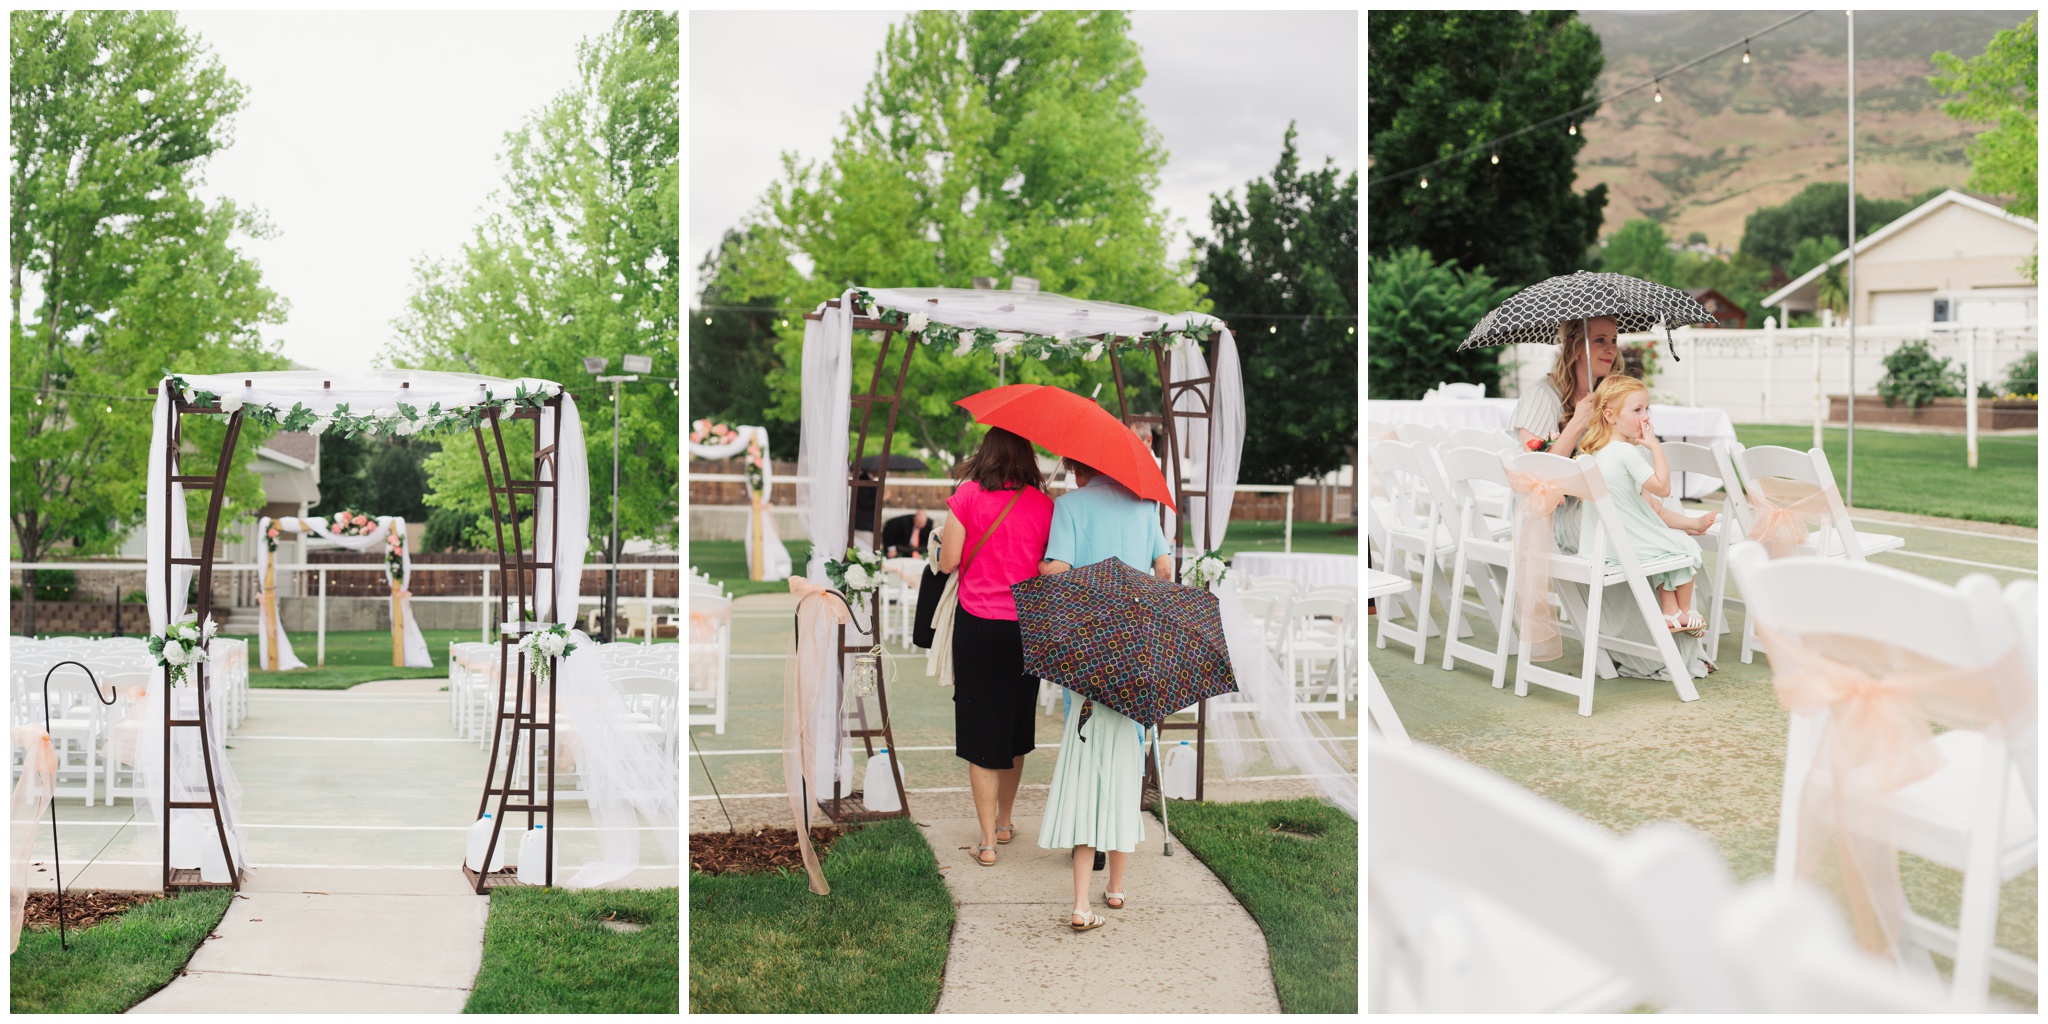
(1195, 393)
(519, 608)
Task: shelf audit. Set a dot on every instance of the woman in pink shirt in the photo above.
(995, 715)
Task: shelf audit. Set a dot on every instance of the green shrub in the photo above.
(1915, 376)
(2023, 377)
(1417, 313)
(55, 584)
(447, 530)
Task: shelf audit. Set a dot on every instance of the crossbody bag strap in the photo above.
(991, 530)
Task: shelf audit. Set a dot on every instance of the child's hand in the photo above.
(1703, 523)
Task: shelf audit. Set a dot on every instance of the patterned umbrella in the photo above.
(1533, 314)
(1143, 647)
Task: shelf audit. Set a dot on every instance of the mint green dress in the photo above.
(1627, 468)
(1094, 800)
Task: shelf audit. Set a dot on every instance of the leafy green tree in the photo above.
(992, 144)
(1641, 249)
(580, 259)
(1418, 312)
(2001, 86)
(113, 116)
(732, 338)
(1819, 210)
(1440, 81)
(1291, 250)
(1743, 278)
(1832, 287)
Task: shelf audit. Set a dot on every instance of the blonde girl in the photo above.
(1629, 455)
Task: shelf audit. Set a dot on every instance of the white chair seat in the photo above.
(1871, 543)
(1933, 813)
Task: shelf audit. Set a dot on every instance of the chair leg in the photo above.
(1424, 621)
(1681, 675)
(1587, 673)
(1457, 608)
(1506, 640)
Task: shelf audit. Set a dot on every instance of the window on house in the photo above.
(1941, 311)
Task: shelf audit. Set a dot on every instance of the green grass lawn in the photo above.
(359, 656)
(1925, 474)
(726, 560)
(767, 944)
(1293, 864)
(114, 964)
(548, 951)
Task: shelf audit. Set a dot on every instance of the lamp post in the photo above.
(635, 365)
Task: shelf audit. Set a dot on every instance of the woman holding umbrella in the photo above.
(1581, 366)
(1094, 800)
(998, 525)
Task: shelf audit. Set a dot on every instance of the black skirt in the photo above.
(995, 703)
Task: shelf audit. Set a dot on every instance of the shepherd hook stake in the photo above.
(56, 856)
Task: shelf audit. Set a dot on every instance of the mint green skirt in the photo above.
(1096, 785)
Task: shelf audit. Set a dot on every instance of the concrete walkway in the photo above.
(1182, 943)
(355, 807)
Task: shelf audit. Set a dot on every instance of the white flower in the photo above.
(966, 345)
(1006, 346)
(211, 629)
(174, 654)
(1094, 352)
(1045, 355)
(918, 322)
(320, 425)
(231, 403)
(857, 577)
(1212, 567)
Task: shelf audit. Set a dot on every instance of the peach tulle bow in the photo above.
(1534, 516)
(1784, 508)
(1880, 700)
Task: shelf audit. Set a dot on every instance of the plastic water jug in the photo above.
(1179, 770)
(479, 838)
(845, 770)
(195, 843)
(533, 856)
(881, 794)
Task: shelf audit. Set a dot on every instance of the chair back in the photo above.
(1808, 467)
(1417, 433)
(1490, 440)
(1640, 905)
(1966, 625)
(1398, 466)
(1737, 507)
(1692, 459)
(1463, 466)
(1272, 584)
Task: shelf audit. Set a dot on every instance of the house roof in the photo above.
(1878, 237)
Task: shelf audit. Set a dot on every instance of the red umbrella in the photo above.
(1066, 424)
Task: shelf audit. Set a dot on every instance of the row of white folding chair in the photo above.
(80, 724)
(1412, 537)
(1586, 920)
(1740, 467)
(1317, 650)
(1476, 544)
(472, 686)
(1979, 812)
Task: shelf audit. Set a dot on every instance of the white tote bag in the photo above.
(938, 661)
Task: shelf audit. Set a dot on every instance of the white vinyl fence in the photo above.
(1784, 376)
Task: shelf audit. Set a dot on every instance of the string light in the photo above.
(1275, 329)
(1574, 129)
(1425, 181)
(707, 321)
(1496, 157)
(1660, 90)
(1745, 51)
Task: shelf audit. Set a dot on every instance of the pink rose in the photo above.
(273, 531)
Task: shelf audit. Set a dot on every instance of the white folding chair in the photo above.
(1314, 639)
(1976, 814)
(1481, 552)
(1269, 610)
(710, 657)
(1600, 531)
(1416, 538)
(1500, 442)
(1379, 709)
(1837, 538)
(1698, 460)
(1584, 920)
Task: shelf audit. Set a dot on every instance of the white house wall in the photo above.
(1954, 248)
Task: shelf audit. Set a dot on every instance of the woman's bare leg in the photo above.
(985, 782)
(1084, 865)
(1006, 791)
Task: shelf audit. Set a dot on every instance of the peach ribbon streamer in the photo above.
(1880, 699)
(703, 635)
(1533, 524)
(32, 796)
(1784, 508)
(804, 674)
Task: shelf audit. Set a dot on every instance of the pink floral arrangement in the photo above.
(705, 432)
(351, 524)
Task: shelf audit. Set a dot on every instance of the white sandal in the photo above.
(1695, 624)
(1094, 920)
(1117, 896)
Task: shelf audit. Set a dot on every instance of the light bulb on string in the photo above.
(1496, 157)
(1745, 51)
(1574, 129)
(1660, 90)
(1425, 181)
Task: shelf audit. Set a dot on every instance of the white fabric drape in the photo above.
(1292, 737)
(1044, 313)
(774, 558)
(821, 490)
(416, 653)
(630, 780)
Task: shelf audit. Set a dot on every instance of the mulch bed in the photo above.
(761, 850)
(82, 908)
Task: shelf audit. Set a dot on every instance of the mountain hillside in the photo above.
(1731, 137)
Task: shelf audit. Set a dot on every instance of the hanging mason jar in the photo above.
(867, 671)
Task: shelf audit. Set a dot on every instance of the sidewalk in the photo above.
(1182, 943)
(355, 808)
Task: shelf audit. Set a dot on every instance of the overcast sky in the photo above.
(1220, 88)
(369, 140)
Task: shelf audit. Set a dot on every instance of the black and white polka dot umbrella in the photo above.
(1533, 314)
